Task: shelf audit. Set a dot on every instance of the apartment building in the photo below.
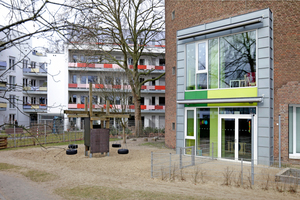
(85, 67)
(232, 69)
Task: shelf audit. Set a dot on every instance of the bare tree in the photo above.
(127, 26)
(110, 86)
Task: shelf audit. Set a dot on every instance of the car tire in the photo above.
(71, 151)
(123, 151)
(73, 146)
(116, 145)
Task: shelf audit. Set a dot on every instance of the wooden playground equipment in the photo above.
(95, 140)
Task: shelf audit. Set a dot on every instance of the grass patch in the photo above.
(159, 145)
(5, 166)
(39, 176)
(98, 192)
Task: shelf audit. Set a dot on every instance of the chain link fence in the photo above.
(187, 166)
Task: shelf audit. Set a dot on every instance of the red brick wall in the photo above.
(286, 44)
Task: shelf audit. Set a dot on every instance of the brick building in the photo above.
(233, 65)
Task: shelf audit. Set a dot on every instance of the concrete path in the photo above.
(15, 187)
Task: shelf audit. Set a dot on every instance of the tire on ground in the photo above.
(123, 151)
(116, 145)
(71, 151)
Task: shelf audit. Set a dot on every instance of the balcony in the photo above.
(35, 108)
(35, 71)
(2, 86)
(3, 106)
(145, 88)
(113, 66)
(130, 107)
(35, 90)
(3, 65)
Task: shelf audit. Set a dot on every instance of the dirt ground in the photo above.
(130, 172)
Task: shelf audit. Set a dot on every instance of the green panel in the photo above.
(231, 104)
(195, 95)
(214, 130)
(196, 105)
(190, 123)
(232, 93)
(189, 143)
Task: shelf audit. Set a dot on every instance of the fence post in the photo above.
(279, 141)
(45, 132)
(242, 171)
(151, 164)
(193, 155)
(252, 150)
(170, 165)
(212, 150)
(15, 135)
(180, 158)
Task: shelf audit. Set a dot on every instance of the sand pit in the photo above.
(130, 172)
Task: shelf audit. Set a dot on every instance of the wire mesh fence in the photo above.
(45, 132)
(241, 173)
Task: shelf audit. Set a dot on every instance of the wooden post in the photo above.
(86, 109)
(91, 105)
(107, 112)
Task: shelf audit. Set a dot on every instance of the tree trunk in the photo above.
(138, 117)
(124, 136)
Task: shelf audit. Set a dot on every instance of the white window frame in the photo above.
(294, 155)
(12, 62)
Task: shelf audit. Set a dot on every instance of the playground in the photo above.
(116, 176)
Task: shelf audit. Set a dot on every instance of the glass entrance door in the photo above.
(236, 137)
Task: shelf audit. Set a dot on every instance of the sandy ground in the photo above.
(131, 171)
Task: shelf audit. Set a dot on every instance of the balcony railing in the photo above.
(112, 66)
(3, 106)
(3, 65)
(32, 107)
(2, 86)
(123, 87)
(34, 70)
(35, 88)
(143, 107)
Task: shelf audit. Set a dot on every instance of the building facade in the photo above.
(232, 80)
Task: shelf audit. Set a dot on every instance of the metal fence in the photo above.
(203, 169)
(39, 134)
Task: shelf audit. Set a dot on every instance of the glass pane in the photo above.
(202, 81)
(189, 143)
(190, 66)
(239, 111)
(244, 145)
(207, 131)
(238, 60)
(297, 130)
(290, 129)
(83, 80)
(213, 64)
(228, 136)
(202, 56)
(190, 123)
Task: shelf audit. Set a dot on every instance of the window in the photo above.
(33, 82)
(162, 62)
(142, 100)
(12, 118)
(12, 63)
(130, 61)
(25, 100)
(153, 100)
(74, 58)
(12, 101)
(108, 80)
(74, 98)
(33, 100)
(142, 61)
(83, 80)
(12, 82)
(74, 79)
(25, 82)
(42, 100)
(142, 80)
(130, 100)
(161, 101)
(153, 82)
(153, 41)
(82, 99)
(223, 62)
(118, 101)
(173, 126)
(173, 14)
(118, 80)
(173, 71)
(294, 131)
(92, 79)
(25, 64)
(33, 64)
(153, 61)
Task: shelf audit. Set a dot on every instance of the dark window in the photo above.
(161, 101)
(142, 101)
(142, 61)
(161, 62)
(173, 126)
(173, 70)
(153, 100)
(74, 98)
